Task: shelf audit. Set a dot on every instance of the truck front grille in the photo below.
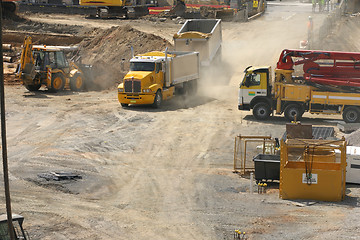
(132, 86)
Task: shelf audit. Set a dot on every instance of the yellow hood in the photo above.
(137, 75)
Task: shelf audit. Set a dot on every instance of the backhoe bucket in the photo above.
(178, 9)
(28, 73)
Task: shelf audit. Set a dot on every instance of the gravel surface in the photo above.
(162, 173)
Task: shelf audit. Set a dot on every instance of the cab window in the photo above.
(142, 66)
(252, 79)
(158, 67)
(61, 60)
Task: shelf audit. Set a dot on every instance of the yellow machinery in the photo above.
(313, 169)
(156, 76)
(120, 8)
(47, 65)
(329, 85)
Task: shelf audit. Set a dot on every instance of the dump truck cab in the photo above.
(144, 81)
(255, 91)
(17, 220)
(154, 77)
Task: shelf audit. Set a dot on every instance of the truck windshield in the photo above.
(252, 79)
(142, 66)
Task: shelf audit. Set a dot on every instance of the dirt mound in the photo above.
(344, 35)
(110, 47)
(21, 23)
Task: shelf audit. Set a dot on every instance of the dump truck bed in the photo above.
(184, 66)
(200, 35)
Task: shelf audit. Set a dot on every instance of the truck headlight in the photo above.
(120, 90)
(146, 90)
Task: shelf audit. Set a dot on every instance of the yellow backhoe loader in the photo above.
(48, 65)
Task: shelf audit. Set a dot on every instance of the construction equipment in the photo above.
(9, 6)
(19, 231)
(179, 8)
(120, 8)
(330, 84)
(204, 9)
(156, 76)
(203, 36)
(313, 169)
(48, 65)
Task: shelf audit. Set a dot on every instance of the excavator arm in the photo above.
(27, 63)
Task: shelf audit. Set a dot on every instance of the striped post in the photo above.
(49, 76)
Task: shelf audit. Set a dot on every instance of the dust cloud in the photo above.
(242, 47)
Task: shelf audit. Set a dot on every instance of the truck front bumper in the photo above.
(244, 107)
(136, 99)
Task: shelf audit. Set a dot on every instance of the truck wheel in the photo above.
(261, 111)
(77, 82)
(57, 82)
(351, 115)
(293, 110)
(33, 88)
(194, 87)
(157, 99)
(190, 87)
(124, 105)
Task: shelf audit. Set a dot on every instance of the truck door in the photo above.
(159, 74)
(254, 84)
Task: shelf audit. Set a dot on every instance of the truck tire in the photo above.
(33, 88)
(77, 82)
(351, 115)
(157, 99)
(192, 87)
(261, 111)
(291, 110)
(57, 82)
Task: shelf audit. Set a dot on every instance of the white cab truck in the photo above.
(203, 36)
(156, 76)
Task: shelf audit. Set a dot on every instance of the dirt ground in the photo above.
(161, 173)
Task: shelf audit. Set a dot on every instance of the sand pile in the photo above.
(110, 47)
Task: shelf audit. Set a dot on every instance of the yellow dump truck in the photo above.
(203, 36)
(157, 76)
(329, 86)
